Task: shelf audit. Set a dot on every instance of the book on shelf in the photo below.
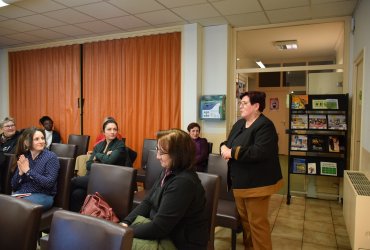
(299, 101)
(311, 168)
(299, 121)
(325, 104)
(317, 122)
(328, 168)
(337, 122)
(317, 143)
(299, 165)
(336, 143)
(298, 142)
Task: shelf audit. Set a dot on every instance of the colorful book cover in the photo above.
(298, 142)
(317, 122)
(299, 165)
(337, 122)
(311, 168)
(317, 143)
(299, 121)
(336, 143)
(328, 168)
(299, 101)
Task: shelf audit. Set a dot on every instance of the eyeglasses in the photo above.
(160, 152)
(243, 103)
(9, 126)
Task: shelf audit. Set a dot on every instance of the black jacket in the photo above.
(9, 145)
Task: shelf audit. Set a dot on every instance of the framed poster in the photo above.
(212, 107)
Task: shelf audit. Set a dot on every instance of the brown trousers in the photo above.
(253, 213)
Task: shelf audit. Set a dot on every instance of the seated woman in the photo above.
(9, 135)
(175, 207)
(201, 147)
(37, 169)
(109, 151)
(51, 136)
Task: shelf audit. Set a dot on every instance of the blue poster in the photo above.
(212, 107)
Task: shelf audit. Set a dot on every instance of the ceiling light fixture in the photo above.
(286, 45)
(259, 63)
(3, 4)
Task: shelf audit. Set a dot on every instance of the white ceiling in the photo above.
(30, 22)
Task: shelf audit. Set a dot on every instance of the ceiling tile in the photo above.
(40, 6)
(343, 8)
(230, 7)
(6, 40)
(41, 21)
(73, 3)
(46, 34)
(25, 37)
(71, 30)
(12, 11)
(17, 26)
(70, 16)
(5, 31)
(127, 22)
(101, 10)
(248, 19)
(98, 27)
(159, 17)
(282, 4)
(180, 3)
(212, 21)
(288, 15)
(134, 8)
(2, 18)
(193, 12)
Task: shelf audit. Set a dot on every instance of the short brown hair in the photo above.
(179, 146)
(256, 97)
(193, 125)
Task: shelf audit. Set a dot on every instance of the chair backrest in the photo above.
(66, 171)
(64, 150)
(211, 185)
(153, 169)
(210, 146)
(19, 220)
(6, 174)
(115, 184)
(218, 166)
(82, 142)
(71, 230)
(149, 144)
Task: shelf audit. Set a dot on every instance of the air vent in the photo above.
(360, 182)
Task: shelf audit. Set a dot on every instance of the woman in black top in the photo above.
(176, 203)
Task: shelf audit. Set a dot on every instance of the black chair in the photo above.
(211, 185)
(149, 144)
(82, 142)
(71, 230)
(153, 170)
(61, 199)
(19, 220)
(115, 184)
(210, 146)
(64, 150)
(6, 173)
(227, 214)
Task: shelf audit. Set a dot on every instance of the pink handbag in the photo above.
(95, 205)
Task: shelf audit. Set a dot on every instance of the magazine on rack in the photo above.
(337, 122)
(328, 168)
(311, 168)
(299, 121)
(336, 143)
(299, 142)
(317, 143)
(299, 165)
(317, 122)
(299, 101)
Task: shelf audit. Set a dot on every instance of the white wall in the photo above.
(4, 84)
(361, 41)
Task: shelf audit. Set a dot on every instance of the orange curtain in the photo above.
(135, 80)
(46, 82)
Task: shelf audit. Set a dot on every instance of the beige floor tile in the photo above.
(336, 211)
(296, 200)
(319, 238)
(319, 227)
(288, 228)
(282, 243)
(318, 202)
(340, 230)
(343, 242)
(292, 211)
(339, 220)
(318, 209)
(336, 204)
(223, 239)
(314, 216)
(311, 246)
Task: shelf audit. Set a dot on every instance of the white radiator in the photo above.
(356, 208)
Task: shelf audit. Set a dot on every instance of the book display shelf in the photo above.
(317, 135)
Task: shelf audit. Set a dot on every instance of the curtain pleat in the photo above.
(137, 81)
(45, 82)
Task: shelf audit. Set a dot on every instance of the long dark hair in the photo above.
(25, 140)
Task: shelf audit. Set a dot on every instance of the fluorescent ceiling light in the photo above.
(259, 63)
(2, 3)
(286, 45)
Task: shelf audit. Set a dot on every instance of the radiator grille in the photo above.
(360, 182)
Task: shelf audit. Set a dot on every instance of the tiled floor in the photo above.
(304, 224)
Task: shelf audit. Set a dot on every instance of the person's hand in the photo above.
(89, 153)
(23, 165)
(109, 152)
(225, 152)
(123, 224)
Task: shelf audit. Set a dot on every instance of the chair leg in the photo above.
(233, 239)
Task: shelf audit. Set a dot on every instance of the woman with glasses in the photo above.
(9, 135)
(109, 151)
(254, 173)
(173, 213)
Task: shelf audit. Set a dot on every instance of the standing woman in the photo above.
(253, 168)
(37, 169)
(109, 151)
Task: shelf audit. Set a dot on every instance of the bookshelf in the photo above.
(318, 127)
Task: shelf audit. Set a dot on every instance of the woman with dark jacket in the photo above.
(109, 151)
(253, 168)
(175, 207)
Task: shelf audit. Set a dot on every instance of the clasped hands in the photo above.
(23, 165)
(225, 152)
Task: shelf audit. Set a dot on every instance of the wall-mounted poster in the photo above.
(212, 107)
(274, 103)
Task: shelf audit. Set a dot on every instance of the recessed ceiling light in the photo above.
(259, 63)
(286, 45)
